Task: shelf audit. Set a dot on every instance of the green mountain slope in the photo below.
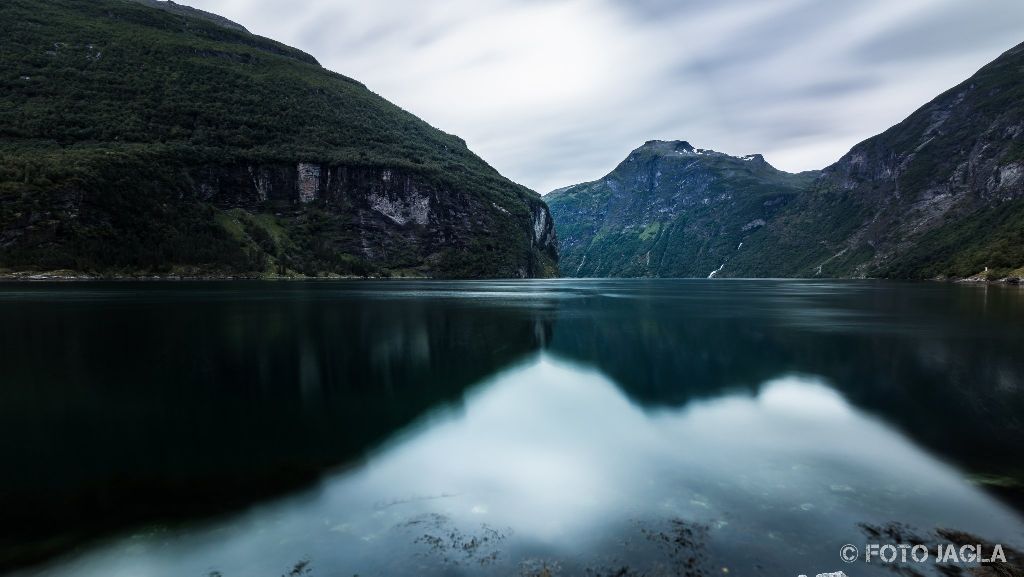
(668, 210)
(941, 194)
(136, 139)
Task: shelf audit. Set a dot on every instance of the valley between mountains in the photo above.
(939, 195)
(147, 139)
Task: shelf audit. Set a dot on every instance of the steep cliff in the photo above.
(940, 195)
(148, 138)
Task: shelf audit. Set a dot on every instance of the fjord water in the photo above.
(502, 428)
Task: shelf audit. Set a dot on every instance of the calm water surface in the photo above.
(562, 427)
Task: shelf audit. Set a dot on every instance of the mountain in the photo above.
(669, 210)
(142, 137)
(939, 195)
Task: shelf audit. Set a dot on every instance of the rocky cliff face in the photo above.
(144, 137)
(304, 218)
(390, 216)
(939, 195)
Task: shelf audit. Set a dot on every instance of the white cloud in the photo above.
(554, 92)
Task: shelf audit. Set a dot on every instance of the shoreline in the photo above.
(71, 276)
(74, 276)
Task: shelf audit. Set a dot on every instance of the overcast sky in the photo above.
(556, 92)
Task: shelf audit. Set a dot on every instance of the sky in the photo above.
(557, 92)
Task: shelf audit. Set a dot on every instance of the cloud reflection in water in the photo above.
(551, 460)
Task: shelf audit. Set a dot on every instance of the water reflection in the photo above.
(551, 465)
(943, 363)
(129, 403)
(500, 426)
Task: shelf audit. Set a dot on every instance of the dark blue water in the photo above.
(504, 428)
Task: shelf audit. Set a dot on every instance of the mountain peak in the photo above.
(683, 149)
(667, 146)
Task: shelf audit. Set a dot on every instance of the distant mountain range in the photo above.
(148, 138)
(939, 195)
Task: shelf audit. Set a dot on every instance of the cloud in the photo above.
(554, 92)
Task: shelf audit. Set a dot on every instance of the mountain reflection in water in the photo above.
(503, 428)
